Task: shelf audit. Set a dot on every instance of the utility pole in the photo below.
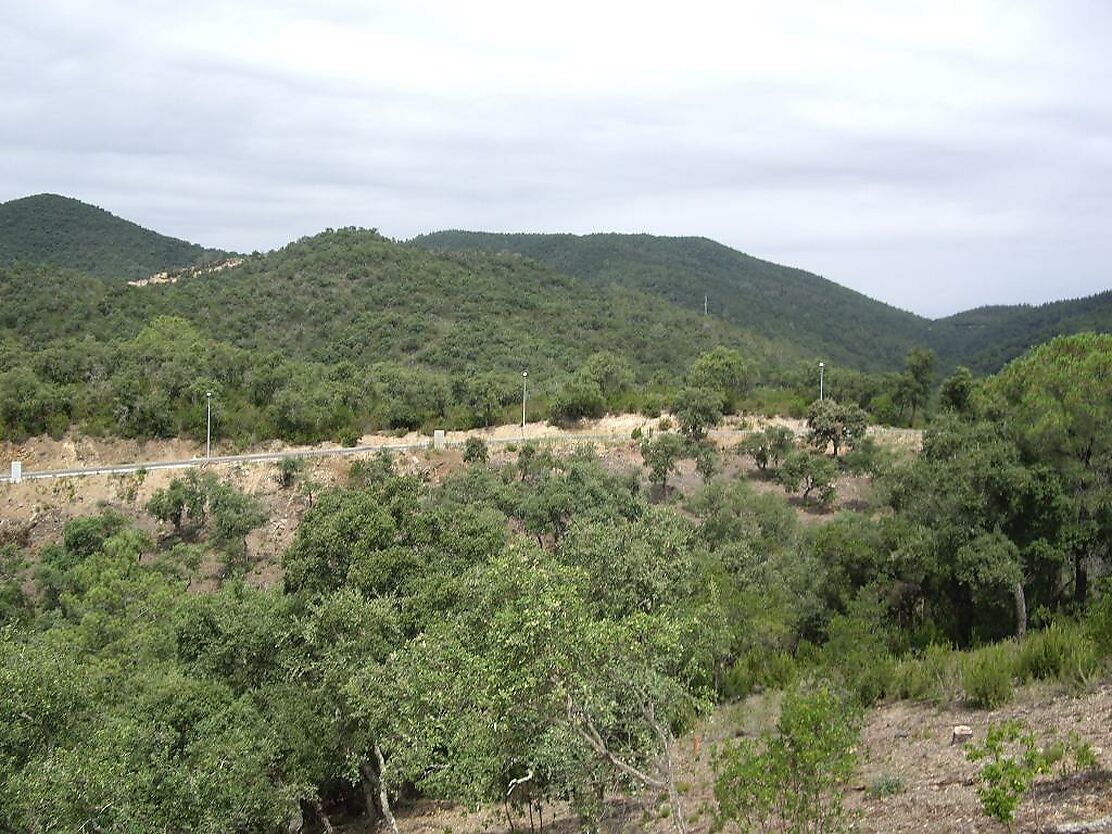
(822, 366)
(208, 432)
(524, 384)
(705, 305)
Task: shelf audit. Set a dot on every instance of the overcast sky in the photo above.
(936, 155)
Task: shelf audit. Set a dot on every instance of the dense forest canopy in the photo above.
(986, 338)
(777, 302)
(343, 331)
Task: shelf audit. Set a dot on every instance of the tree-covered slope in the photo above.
(825, 320)
(330, 336)
(352, 295)
(61, 231)
(986, 338)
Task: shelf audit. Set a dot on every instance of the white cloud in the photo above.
(913, 151)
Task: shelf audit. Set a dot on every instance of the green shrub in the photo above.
(578, 398)
(807, 472)
(289, 468)
(1099, 622)
(348, 436)
(793, 780)
(933, 676)
(856, 649)
(1078, 755)
(988, 675)
(1062, 652)
(769, 447)
(475, 450)
(866, 458)
(652, 404)
(1012, 761)
(758, 667)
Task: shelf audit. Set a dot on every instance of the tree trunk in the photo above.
(383, 798)
(318, 809)
(1020, 610)
(369, 783)
(1080, 579)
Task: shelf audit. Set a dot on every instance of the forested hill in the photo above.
(353, 295)
(332, 336)
(987, 338)
(781, 303)
(61, 231)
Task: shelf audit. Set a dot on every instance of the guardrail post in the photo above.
(438, 441)
(17, 472)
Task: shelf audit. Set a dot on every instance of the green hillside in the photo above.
(352, 295)
(987, 338)
(345, 330)
(823, 319)
(61, 231)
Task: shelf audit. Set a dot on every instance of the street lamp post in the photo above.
(822, 367)
(524, 384)
(208, 432)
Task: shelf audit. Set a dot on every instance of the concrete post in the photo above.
(438, 441)
(17, 472)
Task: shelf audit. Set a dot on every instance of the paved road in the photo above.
(265, 457)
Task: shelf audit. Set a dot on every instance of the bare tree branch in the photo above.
(528, 777)
(587, 731)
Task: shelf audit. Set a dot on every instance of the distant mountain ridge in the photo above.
(777, 302)
(986, 338)
(64, 232)
(648, 289)
(823, 319)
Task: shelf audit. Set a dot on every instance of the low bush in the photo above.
(475, 450)
(988, 675)
(934, 675)
(652, 404)
(887, 784)
(758, 668)
(857, 650)
(289, 468)
(1061, 652)
(1099, 622)
(794, 780)
(1012, 759)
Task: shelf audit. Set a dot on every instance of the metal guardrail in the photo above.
(267, 457)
